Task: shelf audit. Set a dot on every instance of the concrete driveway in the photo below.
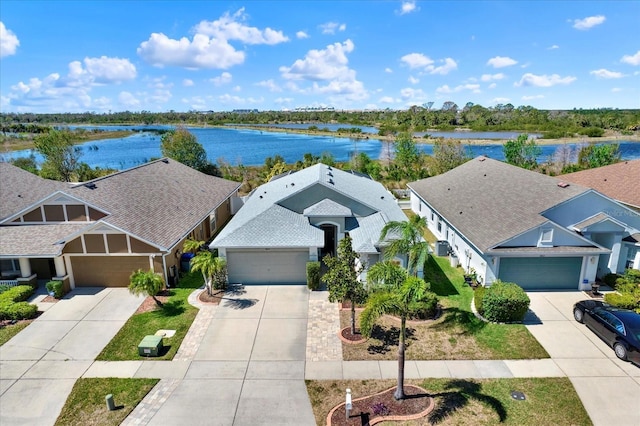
(249, 368)
(609, 388)
(39, 366)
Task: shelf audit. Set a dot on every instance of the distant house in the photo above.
(516, 225)
(97, 233)
(300, 217)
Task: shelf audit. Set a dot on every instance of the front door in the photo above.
(329, 240)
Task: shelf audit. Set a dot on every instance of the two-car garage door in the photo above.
(267, 266)
(541, 273)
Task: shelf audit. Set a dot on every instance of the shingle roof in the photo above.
(489, 201)
(327, 207)
(19, 189)
(36, 240)
(158, 201)
(366, 235)
(618, 181)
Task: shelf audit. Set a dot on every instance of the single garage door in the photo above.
(106, 271)
(267, 266)
(541, 273)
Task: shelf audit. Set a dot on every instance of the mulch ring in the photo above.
(150, 305)
(214, 299)
(382, 407)
(348, 337)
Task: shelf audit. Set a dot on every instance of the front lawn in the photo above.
(176, 314)
(86, 404)
(549, 401)
(456, 334)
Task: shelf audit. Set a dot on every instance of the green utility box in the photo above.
(150, 346)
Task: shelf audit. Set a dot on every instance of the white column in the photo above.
(636, 260)
(61, 271)
(615, 254)
(25, 267)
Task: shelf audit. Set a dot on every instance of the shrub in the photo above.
(610, 280)
(478, 295)
(594, 132)
(12, 305)
(56, 288)
(18, 293)
(19, 310)
(313, 275)
(625, 301)
(505, 302)
(4, 288)
(425, 308)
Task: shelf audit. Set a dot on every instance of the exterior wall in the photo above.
(316, 193)
(590, 204)
(56, 213)
(338, 221)
(561, 237)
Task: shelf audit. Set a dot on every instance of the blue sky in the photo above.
(74, 56)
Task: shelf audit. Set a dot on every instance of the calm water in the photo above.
(251, 147)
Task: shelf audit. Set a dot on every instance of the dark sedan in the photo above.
(619, 328)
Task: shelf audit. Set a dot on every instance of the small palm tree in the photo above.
(385, 274)
(406, 238)
(147, 283)
(401, 301)
(213, 269)
(191, 245)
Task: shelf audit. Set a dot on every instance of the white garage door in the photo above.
(267, 266)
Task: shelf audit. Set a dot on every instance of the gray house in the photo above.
(300, 217)
(520, 226)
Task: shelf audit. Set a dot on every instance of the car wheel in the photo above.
(621, 351)
(578, 314)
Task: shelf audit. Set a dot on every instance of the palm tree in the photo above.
(401, 301)
(385, 275)
(147, 283)
(406, 238)
(191, 245)
(213, 269)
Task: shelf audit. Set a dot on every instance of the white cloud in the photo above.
(409, 95)
(408, 6)
(8, 41)
(553, 47)
(533, 80)
(128, 100)
(631, 59)
(232, 27)
(187, 82)
(269, 84)
(416, 60)
(606, 74)
(492, 86)
(413, 80)
(105, 70)
(616, 90)
(237, 100)
(530, 98)
(588, 22)
(387, 100)
(501, 62)
(448, 66)
(475, 88)
(388, 70)
(197, 103)
(209, 47)
(302, 34)
(332, 27)
(500, 100)
(491, 77)
(224, 78)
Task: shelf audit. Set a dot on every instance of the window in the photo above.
(212, 222)
(439, 226)
(433, 217)
(546, 237)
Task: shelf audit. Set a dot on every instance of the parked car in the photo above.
(619, 328)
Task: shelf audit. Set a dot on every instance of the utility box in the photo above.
(150, 346)
(442, 248)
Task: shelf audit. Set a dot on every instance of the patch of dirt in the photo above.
(383, 406)
(150, 305)
(9, 323)
(49, 299)
(214, 299)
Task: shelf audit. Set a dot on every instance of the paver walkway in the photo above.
(323, 343)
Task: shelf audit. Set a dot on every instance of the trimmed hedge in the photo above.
(478, 295)
(505, 302)
(13, 305)
(624, 300)
(425, 308)
(313, 275)
(55, 287)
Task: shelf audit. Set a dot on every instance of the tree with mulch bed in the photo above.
(147, 283)
(403, 301)
(213, 269)
(342, 278)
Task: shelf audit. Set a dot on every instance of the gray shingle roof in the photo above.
(19, 189)
(36, 240)
(489, 201)
(366, 236)
(327, 207)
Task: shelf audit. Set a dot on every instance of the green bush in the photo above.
(425, 308)
(12, 305)
(628, 291)
(313, 275)
(594, 132)
(4, 288)
(478, 295)
(610, 280)
(505, 302)
(56, 288)
(625, 301)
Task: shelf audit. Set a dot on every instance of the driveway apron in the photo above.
(609, 388)
(39, 366)
(249, 368)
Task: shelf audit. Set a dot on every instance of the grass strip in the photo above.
(8, 331)
(86, 404)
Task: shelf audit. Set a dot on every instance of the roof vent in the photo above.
(481, 159)
(382, 197)
(563, 184)
(90, 185)
(261, 196)
(329, 173)
(331, 181)
(293, 184)
(165, 160)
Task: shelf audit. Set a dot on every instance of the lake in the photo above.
(251, 147)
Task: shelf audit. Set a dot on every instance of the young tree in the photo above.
(147, 283)
(406, 238)
(407, 156)
(213, 269)
(448, 154)
(522, 152)
(401, 301)
(183, 146)
(592, 155)
(385, 274)
(61, 157)
(342, 278)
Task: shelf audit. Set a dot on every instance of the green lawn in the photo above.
(86, 404)
(8, 331)
(549, 401)
(176, 314)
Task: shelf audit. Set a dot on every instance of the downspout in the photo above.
(164, 269)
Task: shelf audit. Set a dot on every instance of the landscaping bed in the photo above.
(467, 402)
